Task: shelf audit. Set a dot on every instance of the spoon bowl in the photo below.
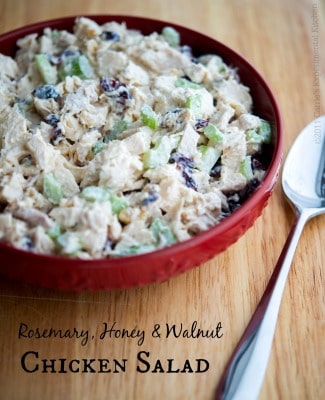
(303, 182)
(303, 176)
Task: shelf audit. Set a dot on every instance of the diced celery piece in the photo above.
(118, 203)
(155, 157)
(246, 168)
(213, 133)
(47, 71)
(118, 128)
(149, 117)
(100, 194)
(253, 137)
(98, 147)
(162, 233)
(265, 131)
(21, 107)
(209, 156)
(55, 34)
(185, 83)
(161, 153)
(262, 134)
(52, 188)
(194, 104)
(123, 250)
(82, 67)
(76, 66)
(221, 65)
(65, 69)
(95, 193)
(171, 35)
(69, 243)
(55, 231)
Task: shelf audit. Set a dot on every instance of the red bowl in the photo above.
(125, 272)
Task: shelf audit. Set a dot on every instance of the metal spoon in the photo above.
(303, 182)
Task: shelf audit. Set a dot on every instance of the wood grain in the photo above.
(282, 39)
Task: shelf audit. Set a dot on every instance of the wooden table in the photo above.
(282, 38)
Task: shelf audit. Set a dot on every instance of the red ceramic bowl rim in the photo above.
(258, 196)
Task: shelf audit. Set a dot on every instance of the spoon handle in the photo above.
(244, 374)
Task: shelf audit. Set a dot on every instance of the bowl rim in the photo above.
(266, 185)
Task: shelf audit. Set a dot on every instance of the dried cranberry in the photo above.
(27, 243)
(216, 171)
(176, 111)
(124, 92)
(235, 199)
(46, 92)
(232, 206)
(108, 245)
(187, 50)
(186, 165)
(257, 163)
(115, 89)
(70, 53)
(201, 123)
(150, 198)
(248, 189)
(182, 160)
(109, 84)
(110, 35)
(55, 60)
(189, 181)
(52, 119)
(57, 136)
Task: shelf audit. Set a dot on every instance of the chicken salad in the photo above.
(116, 143)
